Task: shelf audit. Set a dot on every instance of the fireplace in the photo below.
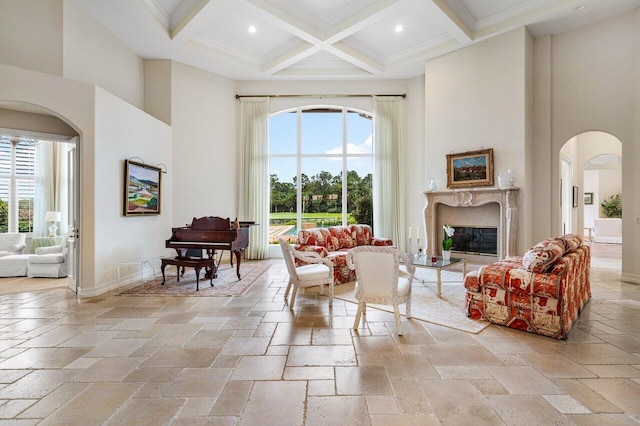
(475, 240)
(493, 208)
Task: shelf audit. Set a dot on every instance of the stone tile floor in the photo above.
(156, 360)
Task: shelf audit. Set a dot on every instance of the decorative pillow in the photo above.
(361, 234)
(343, 235)
(571, 242)
(542, 255)
(316, 237)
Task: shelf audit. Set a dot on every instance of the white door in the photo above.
(73, 203)
(566, 201)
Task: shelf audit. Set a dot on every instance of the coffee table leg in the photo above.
(439, 293)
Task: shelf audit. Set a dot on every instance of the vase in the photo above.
(432, 184)
(502, 180)
(446, 255)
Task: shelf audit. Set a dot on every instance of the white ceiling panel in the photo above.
(418, 29)
(322, 14)
(230, 30)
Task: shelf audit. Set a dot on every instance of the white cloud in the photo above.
(352, 148)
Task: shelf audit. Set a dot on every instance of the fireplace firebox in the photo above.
(475, 240)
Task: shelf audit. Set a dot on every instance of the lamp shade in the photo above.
(52, 216)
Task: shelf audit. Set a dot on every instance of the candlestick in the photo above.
(410, 244)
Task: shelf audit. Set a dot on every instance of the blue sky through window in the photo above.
(321, 136)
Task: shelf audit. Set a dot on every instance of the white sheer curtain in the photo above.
(388, 176)
(44, 185)
(50, 185)
(253, 145)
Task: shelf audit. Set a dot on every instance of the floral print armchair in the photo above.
(542, 292)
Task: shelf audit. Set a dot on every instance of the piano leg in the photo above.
(197, 268)
(239, 254)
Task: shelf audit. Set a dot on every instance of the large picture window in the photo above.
(321, 164)
(17, 184)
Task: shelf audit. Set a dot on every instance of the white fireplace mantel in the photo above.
(505, 197)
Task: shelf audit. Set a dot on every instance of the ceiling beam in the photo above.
(293, 56)
(318, 42)
(360, 20)
(448, 20)
(188, 25)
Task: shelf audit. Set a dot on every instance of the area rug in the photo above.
(447, 310)
(225, 285)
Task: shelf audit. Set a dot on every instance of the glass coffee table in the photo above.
(440, 264)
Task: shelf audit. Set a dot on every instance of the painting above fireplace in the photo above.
(476, 240)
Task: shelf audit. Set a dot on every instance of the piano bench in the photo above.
(190, 262)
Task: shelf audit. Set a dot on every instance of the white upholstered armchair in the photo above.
(49, 261)
(380, 280)
(11, 243)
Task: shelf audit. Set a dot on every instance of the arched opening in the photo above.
(595, 178)
(21, 121)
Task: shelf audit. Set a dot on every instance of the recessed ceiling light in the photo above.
(252, 29)
(581, 7)
(399, 28)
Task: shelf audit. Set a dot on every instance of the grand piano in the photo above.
(212, 234)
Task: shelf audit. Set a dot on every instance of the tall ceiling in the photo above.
(329, 39)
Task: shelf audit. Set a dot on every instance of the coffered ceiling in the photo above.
(329, 39)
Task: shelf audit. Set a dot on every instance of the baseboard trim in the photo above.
(97, 291)
(630, 278)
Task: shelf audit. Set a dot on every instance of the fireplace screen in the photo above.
(476, 240)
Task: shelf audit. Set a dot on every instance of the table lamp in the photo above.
(53, 217)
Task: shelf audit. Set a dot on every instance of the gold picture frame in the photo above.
(470, 169)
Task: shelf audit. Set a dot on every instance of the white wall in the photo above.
(203, 118)
(31, 35)
(475, 98)
(594, 82)
(158, 88)
(123, 131)
(34, 122)
(93, 55)
(73, 103)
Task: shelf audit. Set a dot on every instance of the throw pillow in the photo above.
(543, 255)
(343, 236)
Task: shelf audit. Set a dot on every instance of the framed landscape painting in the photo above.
(142, 189)
(469, 169)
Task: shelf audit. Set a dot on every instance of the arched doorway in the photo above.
(25, 120)
(595, 176)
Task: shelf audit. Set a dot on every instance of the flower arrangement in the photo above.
(447, 241)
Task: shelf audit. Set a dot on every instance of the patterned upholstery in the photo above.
(335, 242)
(541, 292)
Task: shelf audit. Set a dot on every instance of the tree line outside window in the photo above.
(17, 184)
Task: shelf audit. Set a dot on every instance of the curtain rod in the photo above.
(404, 95)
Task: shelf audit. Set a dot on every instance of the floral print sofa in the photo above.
(542, 292)
(335, 242)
